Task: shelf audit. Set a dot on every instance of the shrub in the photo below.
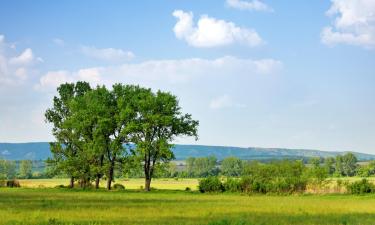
(361, 187)
(187, 189)
(275, 177)
(118, 187)
(60, 186)
(12, 183)
(210, 184)
(232, 185)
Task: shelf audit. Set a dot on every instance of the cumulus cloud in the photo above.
(211, 32)
(354, 23)
(107, 54)
(15, 68)
(254, 5)
(224, 101)
(163, 72)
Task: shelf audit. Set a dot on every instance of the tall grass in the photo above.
(64, 206)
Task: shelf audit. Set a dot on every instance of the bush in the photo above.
(276, 177)
(187, 189)
(233, 185)
(361, 187)
(118, 187)
(210, 184)
(12, 183)
(60, 186)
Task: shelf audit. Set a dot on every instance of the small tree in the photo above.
(26, 167)
(329, 165)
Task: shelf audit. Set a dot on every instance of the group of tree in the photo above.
(98, 130)
(10, 169)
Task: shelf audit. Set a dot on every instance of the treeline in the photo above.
(22, 169)
(290, 176)
(346, 165)
(93, 127)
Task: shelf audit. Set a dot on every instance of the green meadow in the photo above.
(66, 206)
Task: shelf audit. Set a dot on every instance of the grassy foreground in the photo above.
(64, 206)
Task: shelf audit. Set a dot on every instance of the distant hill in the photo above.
(40, 151)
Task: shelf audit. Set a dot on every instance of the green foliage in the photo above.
(202, 167)
(231, 166)
(158, 121)
(329, 165)
(366, 170)
(91, 127)
(276, 177)
(361, 187)
(25, 170)
(7, 169)
(210, 184)
(233, 185)
(346, 165)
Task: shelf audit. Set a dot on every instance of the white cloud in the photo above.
(211, 32)
(26, 57)
(224, 101)
(254, 5)
(55, 78)
(163, 72)
(14, 69)
(354, 23)
(107, 54)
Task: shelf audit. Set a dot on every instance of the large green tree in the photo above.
(158, 122)
(67, 147)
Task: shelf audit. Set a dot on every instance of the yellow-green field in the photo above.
(135, 184)
(65, 206)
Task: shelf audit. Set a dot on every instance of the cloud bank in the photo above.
(354, 23)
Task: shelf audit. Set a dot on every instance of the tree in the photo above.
(339, 170)
(329, 165)
(349, 161)
(315, 162)
(2, 169)
(190, 165)
(25, 170)
(7, 169)
(159, 121)
(231, 166)
(67, 146)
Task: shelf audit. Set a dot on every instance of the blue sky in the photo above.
(295, 74)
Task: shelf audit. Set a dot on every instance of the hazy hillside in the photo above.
(40, 150)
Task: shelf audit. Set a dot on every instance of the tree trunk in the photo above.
(71, 184)
(110, 176)
(97, 181)
(148, 184)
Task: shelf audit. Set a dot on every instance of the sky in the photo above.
(263, 73)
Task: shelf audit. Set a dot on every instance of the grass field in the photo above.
(64, 206)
